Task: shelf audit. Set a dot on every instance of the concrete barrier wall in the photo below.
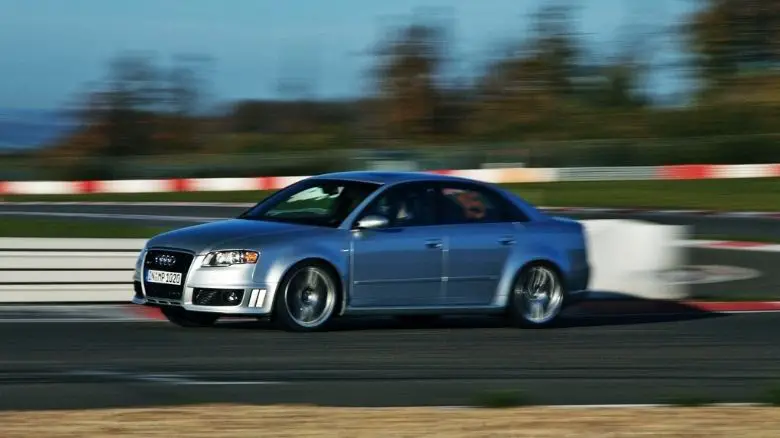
(626, 257)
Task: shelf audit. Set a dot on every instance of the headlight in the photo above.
(229, 258)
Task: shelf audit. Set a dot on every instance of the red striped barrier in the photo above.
(499, 175)
(688, 171)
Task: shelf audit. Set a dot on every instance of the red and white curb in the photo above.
(492, 175)
(730, 245)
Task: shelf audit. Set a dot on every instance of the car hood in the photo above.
(219, 235)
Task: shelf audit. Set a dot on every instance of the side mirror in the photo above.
(372, 222)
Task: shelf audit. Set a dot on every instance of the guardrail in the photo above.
(626, 257)
(498, 175)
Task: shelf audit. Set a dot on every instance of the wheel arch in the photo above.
(513, 271)
(512, 311)
(322, 262)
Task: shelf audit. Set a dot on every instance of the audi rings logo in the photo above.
(165, 260)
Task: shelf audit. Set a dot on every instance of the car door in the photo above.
(401, 264)
(480, 235)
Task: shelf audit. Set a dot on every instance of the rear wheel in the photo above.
(187, 318)
(538, 296)
(307, 298)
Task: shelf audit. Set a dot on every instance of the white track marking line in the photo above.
(728, 245)
(170, 379)
(229, 383)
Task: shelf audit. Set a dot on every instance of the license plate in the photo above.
(163, 277)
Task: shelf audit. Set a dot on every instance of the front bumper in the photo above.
(207, 289)
(254, 301)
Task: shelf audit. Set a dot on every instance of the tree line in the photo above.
(546, 89)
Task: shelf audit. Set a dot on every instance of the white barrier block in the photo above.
(137, 186)
(41, 187)
(224, 184)
(484, 175)
(629, 257)
(745, 171)
(75, 293)
(40, 270)
(284, 181)
(71, 276)
(65, 244)
(527, 175)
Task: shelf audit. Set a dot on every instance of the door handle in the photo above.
(433, 243)
(507, 240)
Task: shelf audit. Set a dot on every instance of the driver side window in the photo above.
(408, 205)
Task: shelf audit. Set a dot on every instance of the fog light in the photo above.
(232, 297)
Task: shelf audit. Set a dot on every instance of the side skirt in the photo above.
(447, 310)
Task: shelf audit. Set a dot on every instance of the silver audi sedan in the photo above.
(360, 243)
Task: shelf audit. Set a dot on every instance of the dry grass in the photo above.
(308, 421)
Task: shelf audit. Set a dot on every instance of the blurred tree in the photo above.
(122, 112)
(408, 78)
(186, 102)
(733, 37)
(532, 80)
(142, 108)
(554, 47)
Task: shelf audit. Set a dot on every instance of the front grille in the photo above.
(217, 297)
(169, 261)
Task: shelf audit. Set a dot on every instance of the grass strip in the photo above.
(239, 421)
(52, 228)
(751, 194)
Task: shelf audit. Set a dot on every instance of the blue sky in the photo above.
(50, 49)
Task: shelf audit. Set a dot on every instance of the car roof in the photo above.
(391, 177)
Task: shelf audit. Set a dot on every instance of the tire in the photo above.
(186, 318)
(307, 298)
(529, 292)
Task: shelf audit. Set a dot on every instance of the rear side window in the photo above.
(465, 204)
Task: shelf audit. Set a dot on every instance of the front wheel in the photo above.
(538, 296)
(186, 318)
(306, 299)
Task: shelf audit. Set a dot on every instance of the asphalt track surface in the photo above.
(725, 358)
(633, 359)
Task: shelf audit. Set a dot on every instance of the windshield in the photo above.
(313, 202)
